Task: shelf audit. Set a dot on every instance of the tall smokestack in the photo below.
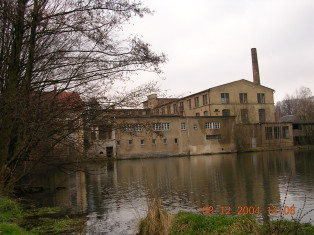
(256, 78)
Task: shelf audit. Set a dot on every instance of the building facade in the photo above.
(236, 116)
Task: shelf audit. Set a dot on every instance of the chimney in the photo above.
(256, 78)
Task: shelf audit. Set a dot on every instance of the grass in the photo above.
(160, 222)
(14, 219)
(191, 223)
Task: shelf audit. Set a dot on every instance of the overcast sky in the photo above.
(208, 42)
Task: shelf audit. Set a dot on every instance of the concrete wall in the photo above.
(192, 140)
(254, 136)
(214, 106)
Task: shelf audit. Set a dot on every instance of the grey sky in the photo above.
(208, 42)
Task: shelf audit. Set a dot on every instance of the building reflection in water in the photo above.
(114, 194)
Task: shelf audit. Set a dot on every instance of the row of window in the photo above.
(276, 134)
(139, 127)
(165, 141)
(166, 126)
(243, 98)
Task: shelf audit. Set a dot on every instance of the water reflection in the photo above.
(113, 194)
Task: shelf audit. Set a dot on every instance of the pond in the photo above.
(113, 195)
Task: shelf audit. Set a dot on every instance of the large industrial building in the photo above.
(236, 116)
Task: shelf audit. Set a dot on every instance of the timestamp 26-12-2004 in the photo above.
(244, 210)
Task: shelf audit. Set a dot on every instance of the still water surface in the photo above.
(114, 194)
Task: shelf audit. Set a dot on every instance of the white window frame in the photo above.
(138, 127)
(183, 127)
(212, 125)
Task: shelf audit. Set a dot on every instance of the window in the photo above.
(157, 126)
(205, 113)
(216, 125)
(157, 111)
(118, 142)
(208, 125)
(183, 126)
(197, 114)
(285, 132)
(130, 142)
(162, 110)
(213, 137)
(261, 115)
(269, 133)
(168, 109)
(195, 127)
(197, 104)
(138, 127)
(174, 108)
(153, 141)
(205, 99)
(189, 104)
(244, 116)
(261, 98)
(128, 127)
(161, 126)
(225, 98)
(165, 126)
(165, 141)
(175, 140)
(142, 142)
(181, 105)
(243, 98)
(277, 132)
(226, 112)
(212, 125)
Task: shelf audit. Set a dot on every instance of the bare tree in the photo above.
(73, 45)
(301, 105)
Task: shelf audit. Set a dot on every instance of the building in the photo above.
(236, 116)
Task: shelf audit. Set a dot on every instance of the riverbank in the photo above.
(17, 218)
(159, 221)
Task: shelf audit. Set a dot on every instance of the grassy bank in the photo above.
(158, 221)
(18, 219)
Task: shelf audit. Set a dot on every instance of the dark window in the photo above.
(277, 132)
(168, 109)
(244, 115)
(197, 114)
(261, 98)
(213, 137)
(189, 104)
(175, 140)
(130, 142)
(205, 99)
(225, 98)
(118, 142)
(142, 142)
(243, 98)
(181, 104)
(174, 108)
(285, 132)
(205, 113)
(196, 100)
(153, 141)
(165, 141)
(269, 133)
(261, 115)
(226, 112)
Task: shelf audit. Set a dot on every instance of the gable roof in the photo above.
(241, 81)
